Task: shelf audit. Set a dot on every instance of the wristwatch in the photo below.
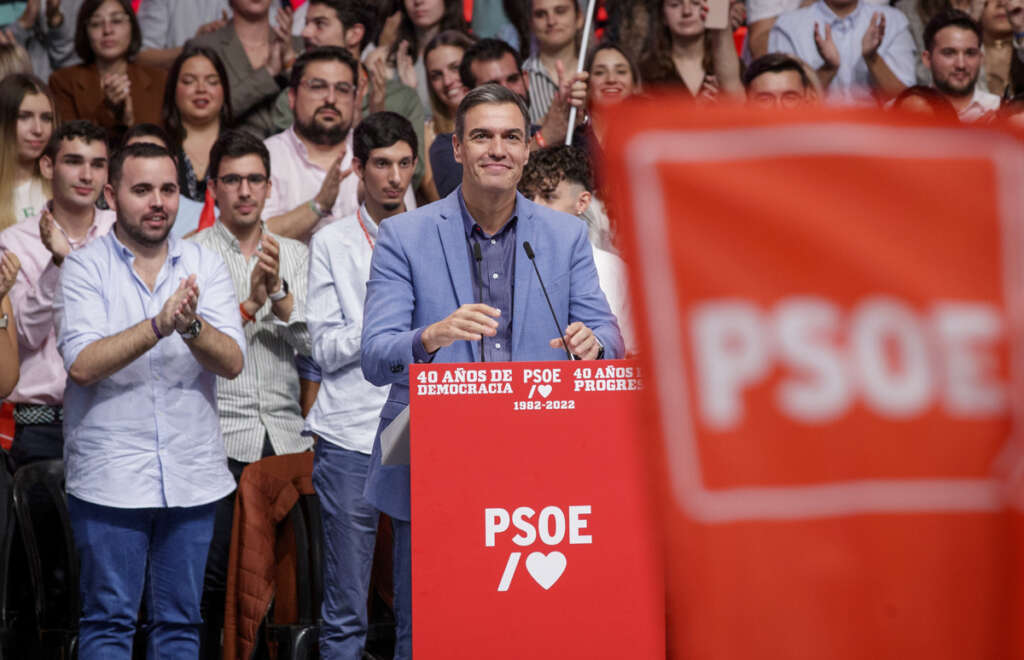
(281, 294)
(3, 321)
(193, 329)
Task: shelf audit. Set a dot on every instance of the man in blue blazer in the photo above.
(452, 280)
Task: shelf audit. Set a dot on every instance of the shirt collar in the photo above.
(841, 24)
(367, 221)
(300, 147)
(174, 247)
(470, 224)
(224, 235)
(90, 233)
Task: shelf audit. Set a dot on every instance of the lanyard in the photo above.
(359, 219)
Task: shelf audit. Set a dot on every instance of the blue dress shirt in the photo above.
(793, 33)
(497, 268)
(147, 435)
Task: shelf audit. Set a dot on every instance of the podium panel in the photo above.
(532, 535)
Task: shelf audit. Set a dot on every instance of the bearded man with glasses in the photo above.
(312, 182)
(259, 410)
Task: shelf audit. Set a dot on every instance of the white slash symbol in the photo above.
(510, 571)
(533, 388)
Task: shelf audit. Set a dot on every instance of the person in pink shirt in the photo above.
(9, 267)
(75, 163)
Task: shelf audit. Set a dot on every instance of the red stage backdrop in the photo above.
(531, 527)
(831, 309)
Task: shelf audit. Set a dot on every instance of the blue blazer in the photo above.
(421, 272)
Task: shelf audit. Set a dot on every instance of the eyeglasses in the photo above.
(318, 88)
(116, 20)
(233, 181)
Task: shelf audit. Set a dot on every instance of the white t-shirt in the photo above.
(29, 199)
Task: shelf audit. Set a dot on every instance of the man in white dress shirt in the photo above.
(347, 407)
(952, 42)
(145, 325)
(861, 52)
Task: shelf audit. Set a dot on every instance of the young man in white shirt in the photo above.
(560, 178)
(347, 409)
(145, 324)
(952, 41)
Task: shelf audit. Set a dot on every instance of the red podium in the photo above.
(532, 535)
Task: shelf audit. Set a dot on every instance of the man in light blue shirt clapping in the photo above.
(861, 52)
(144, 326)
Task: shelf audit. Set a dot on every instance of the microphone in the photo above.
(479, 258)
(558, 326)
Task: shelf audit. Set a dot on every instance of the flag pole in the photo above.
(587, 25)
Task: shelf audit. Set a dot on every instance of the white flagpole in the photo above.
(587, 24)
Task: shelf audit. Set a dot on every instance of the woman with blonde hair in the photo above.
(27, 120)
(13, 59)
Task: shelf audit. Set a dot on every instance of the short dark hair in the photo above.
(235, 144)
(323, 54)
(774, 63)
(550, 166)
(80, 129)
(137, 150)
(380, 130)
(82, 45)
(489, 93)
(352, 13)
(485, 50)
(146, 130)
(945, 19)
(170, 111)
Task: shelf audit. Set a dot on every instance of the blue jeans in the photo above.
(402, 554)
(123, 552)
(350, 533)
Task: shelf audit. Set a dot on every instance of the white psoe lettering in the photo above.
(551, 526)
(883, 353)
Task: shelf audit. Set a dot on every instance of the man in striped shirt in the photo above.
(556, 25)
(259, 410)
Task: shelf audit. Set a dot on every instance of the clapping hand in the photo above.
(826, 47)
(179, 309)
(874, 35)
(9, 267)
(117, 90)
(53, 238)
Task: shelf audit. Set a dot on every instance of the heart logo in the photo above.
(546, 569)
(544, 391)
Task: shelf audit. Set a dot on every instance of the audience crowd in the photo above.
(190, 197)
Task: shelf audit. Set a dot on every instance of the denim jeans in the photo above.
(402, 553)
(125, 552)
(350, 533)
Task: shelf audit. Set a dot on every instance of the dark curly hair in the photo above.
(550, 166)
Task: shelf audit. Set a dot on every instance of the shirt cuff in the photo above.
(419, 351)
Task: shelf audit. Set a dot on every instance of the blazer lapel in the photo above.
(524, 275)
(453, 244)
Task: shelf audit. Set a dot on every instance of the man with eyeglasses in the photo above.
(259, 410)
(312, 159)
